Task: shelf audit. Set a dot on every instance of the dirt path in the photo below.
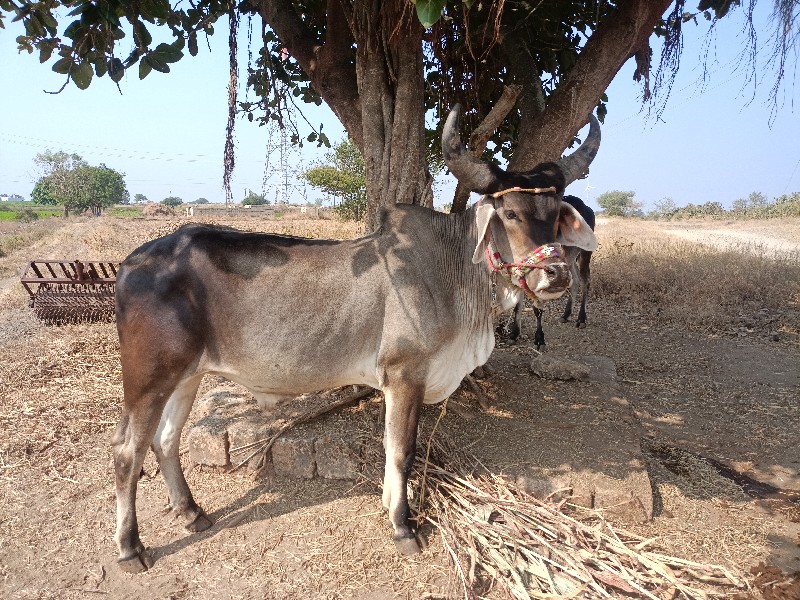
(728, 239)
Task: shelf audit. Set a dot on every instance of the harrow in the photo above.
(71, 291)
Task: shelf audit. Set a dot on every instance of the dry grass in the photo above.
(693, 284)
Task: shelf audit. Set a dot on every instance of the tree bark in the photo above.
(377, 92)
(391, 87)
(545, 135)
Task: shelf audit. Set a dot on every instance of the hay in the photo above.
(497, 535)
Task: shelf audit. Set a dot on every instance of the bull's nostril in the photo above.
(551, 272)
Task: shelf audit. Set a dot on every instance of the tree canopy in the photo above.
(68, 180)
(619, 204)
(342, 177)
(391, 70)
(254, 199)
(172, 201)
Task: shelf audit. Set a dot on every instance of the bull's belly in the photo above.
(273, 377)
(284, 379)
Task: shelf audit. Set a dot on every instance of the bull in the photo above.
(407, 309)
(579, 260)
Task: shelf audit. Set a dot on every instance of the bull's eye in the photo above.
(511, 215)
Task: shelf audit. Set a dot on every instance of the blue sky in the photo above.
(715, 140)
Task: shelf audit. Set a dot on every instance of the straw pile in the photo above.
(499, 536)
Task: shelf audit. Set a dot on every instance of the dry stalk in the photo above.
(532, 549)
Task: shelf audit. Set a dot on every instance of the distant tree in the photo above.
(342, 177)
(619, 204)
(201, 201)
(70, 181)
(139, 198)
(254, 199)
(103, 187)
(172, 201)
(43, 192)
(664, 209)
(754, 201)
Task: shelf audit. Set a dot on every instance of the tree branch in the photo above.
(480, 137)
(329, 66)
(613, 43)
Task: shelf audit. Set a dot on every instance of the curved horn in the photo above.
(473, 173)
(576, 164)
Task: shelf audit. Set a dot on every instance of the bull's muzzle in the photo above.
(550, 282)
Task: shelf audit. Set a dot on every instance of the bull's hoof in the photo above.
(564, 319)
(407, 546)
(581, 325)
(201, 523)
(138, 563)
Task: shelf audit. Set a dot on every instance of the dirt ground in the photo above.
(700, 399)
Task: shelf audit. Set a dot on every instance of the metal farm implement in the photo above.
(71, 291)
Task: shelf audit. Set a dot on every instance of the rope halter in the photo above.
(516, 272)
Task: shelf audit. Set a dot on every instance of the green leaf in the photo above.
(100, 66)
(156, 63)
(63, 66)
(141, 35)
(49, 22)
(193, 43)
(45, 52)
(72, 29)
(144, 68)
(116, 70)
(429, 11)
(82, 75)
(166, 53)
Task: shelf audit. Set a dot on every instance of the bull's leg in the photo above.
(568, 308)
(571, 256)
(511, 328)
(166, 446)
(584, 258)
(131, 440)
(403, 403)
(538, 337)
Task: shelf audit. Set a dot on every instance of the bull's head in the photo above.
(522, 221)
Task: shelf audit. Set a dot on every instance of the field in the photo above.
(701, 321)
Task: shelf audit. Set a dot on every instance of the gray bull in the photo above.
(407, 309)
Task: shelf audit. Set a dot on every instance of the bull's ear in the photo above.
(573, 230)
(484, 214)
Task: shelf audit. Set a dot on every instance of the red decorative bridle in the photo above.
(517, 271)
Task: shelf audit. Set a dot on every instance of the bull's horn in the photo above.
(471, 172)
(576, 164)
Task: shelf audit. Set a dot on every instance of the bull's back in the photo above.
(278, 314)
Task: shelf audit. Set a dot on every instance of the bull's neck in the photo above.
(458, 233)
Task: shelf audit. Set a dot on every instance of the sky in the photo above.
(718, 139)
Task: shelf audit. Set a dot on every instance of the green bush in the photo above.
(26, 215)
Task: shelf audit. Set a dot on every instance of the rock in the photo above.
(336, 458)
(294, 457)
(552, 367)
(208, 442)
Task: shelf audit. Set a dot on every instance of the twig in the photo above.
(265, 444)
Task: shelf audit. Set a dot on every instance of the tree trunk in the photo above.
(545, 134)
(391, 88)
(380, 101)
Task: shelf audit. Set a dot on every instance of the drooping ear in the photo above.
(483, 216)
(573, 230)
